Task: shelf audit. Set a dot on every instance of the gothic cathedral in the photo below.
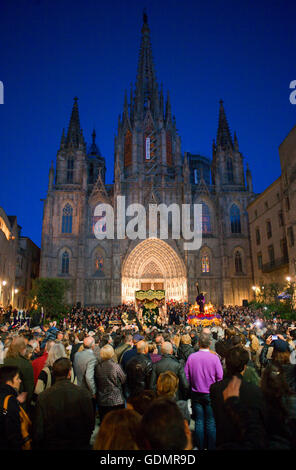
(149, 168)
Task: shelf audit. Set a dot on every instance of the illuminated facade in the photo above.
(149, 167)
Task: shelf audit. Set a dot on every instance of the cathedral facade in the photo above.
(149, 168)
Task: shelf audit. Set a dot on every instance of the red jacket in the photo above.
(38, 365)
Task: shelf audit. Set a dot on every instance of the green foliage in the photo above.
(270, 310)
(49, 293)
(267, 300)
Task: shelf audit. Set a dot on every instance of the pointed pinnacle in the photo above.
(223, 133)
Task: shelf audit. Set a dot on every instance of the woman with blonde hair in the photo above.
(109, 378)
(185, 348)
(167, 387)
(119, 431)
(16, 356)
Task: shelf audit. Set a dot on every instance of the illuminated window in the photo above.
(205, 264)
(99, 263)
(67, 219)
(147, 148)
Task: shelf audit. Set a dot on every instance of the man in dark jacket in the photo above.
(64, 416)
(78, 345)
(10, 425)
(127, 355)
(139, 370)
(250, 396)
(170, 362)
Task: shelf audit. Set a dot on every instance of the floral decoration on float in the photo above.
(208, 318)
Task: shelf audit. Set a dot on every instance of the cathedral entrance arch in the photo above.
(154, 264)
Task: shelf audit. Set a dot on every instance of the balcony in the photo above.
(275, 264)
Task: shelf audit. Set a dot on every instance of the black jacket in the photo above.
(64, 418)
(10, 425)
(289, 369)
(281, 422)
(184, 352)
(250, 397)
(170, 362)
(138, 370)
(249, 425)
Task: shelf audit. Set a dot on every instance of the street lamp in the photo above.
(288, 278)
(15, 291)
(4, 283)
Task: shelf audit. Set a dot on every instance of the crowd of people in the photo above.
(95, 381)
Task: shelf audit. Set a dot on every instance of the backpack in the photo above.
(25, 424)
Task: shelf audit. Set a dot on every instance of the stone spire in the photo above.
(224, 139)
(74, 135)
(146, 86)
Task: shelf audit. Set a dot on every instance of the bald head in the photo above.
(88, 342)
(166, 348)
(142, 347)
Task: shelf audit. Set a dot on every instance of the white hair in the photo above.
(56, 351)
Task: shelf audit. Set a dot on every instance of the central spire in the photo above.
(146, 85)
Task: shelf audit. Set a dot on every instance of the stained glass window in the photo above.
(99, 262)
(235, 219)
(65, 263)
(67, 219)
(149, 143)
(205, 264)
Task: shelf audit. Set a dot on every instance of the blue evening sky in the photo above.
(52, 50)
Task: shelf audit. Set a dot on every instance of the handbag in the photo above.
(25, 424)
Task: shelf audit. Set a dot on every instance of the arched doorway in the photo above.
(154, 264)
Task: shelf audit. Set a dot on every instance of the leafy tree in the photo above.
(49, 293)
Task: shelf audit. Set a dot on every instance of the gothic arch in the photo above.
(235, 215)
(64, 260)
(98, 261)
(156, 261)
(236, 253)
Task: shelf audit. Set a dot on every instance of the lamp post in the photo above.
(255, 289)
